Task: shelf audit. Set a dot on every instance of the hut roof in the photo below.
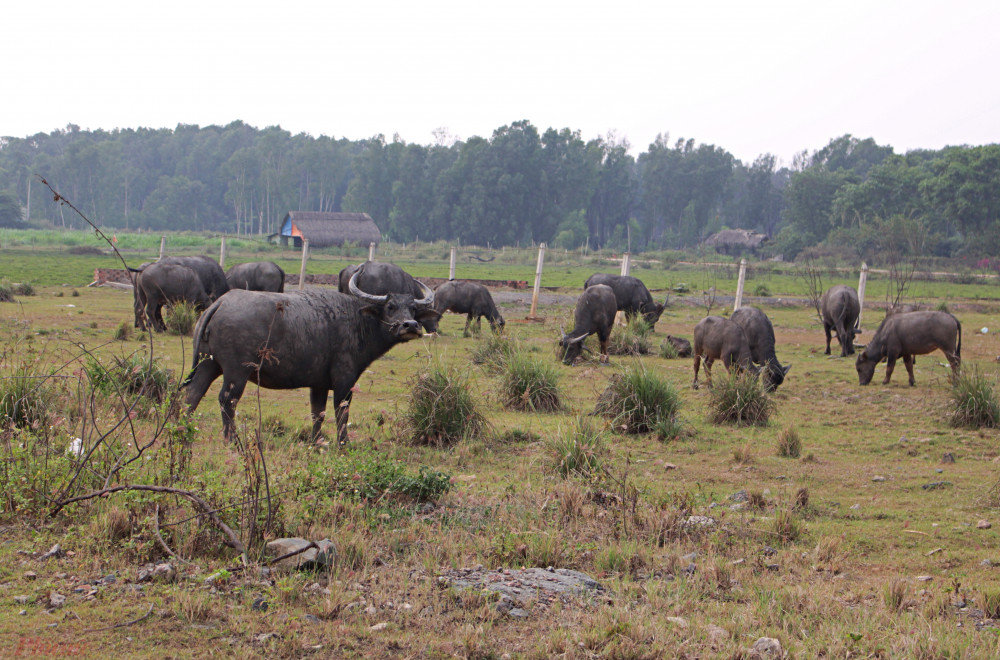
(739, 238)
(323, 229)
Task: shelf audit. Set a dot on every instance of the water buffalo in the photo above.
(716, 337)
(840, 309)
(257, 276)
(212, 277)
(631, 296)
(316, 338)
(907, 334)
(681, 345)
(165, 283)
(381, 278)
(760, 336)
(469, 298)
(595, 313)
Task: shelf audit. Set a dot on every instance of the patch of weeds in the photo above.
(180, 318)
(667, 350)
(528, 384)
(789, 444)
(516, 436)
(442, 410)
(578, 451)
(786, 527)
(974, 401)
(638, 401)
(943, 307)
(23, 289)
(132, 374)
(6, 291)
(632, 339)
(25, 396)
(991, 603)
(762, 291)
(740, 399)
(494, 351)
(894, 595)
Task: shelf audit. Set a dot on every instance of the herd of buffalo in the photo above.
(251, 331)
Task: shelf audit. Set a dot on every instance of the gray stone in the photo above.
(935, 485)
(518, 613)
(948, 457)
(699, 521)
(515, 586)
(55, 552)
(310, 554)
(768, 551)
(767, 646)
(23, 600)
(56, 600)
(739, 496)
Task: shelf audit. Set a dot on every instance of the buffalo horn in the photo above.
(428, 298)
(352, 286)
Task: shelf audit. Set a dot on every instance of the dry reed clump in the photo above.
(442, 409)
(494, 351)
(579, 450)
(631, 339)
(789, 444)
(638, 401)
(740, 399)
(180, 318)
(528, 384)
(975, 401)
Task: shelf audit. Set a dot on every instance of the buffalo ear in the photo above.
(786, 369)
(427, 314)
(864, 356)
(371, 310)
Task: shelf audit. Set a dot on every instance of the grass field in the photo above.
(870, 543)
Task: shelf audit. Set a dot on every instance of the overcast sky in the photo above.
(751, 77)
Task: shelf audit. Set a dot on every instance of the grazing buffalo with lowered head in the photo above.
(212, 277)
(165, 284)
(760, 336)
(631, 296)
(840, 309)
(257, 276)
(595, 313)
(719, 338)
(316, 338)
(907, 334)
(380, 278)
(471, 299)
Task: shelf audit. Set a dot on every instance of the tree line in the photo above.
(518, 186)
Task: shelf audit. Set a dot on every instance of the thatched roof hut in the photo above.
(736, 241)
(324, 229)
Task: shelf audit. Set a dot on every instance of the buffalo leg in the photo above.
(229, 398)
(697, 365)
(199, 381)
(317, 404)
(956, 365)
(826, 329)
(468, 322)
(908, 363)
(889, 366)
(153, 315)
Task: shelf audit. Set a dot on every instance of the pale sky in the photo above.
(748, 76)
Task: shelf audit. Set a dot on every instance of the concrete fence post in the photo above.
(538, 281)
(739, 285)
(305, 258)
(451, 264)
(862, 282)
(371, 251)
(222, 253)
(163, 246)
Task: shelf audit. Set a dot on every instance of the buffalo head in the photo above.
(866, 367)
(399, 311)
(571, 347)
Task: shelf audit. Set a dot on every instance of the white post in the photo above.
(371, 251)
(163, 246)
(451, 265)
(305, 258)
(739, 285)
(862, 281)
(626, 263)
(222, 254)
(538, 281)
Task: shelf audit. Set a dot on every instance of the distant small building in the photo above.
(325, 229)
(736, 241)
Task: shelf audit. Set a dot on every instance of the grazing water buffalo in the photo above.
(380, 278)
(469, 298)
(212, 277)
(315, 338)
(716, 337)
(595, 313)
(257, 276)
(631, 296)
(840, 309)
(907, 334)
(167, 283)
(760, 336)
(681, 345)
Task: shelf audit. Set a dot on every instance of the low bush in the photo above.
(442, 409)
(637, 401)
(529, 384)
(667, 350)
(789, 444)
(975, 402)
(180, 318)
(494, 351)
(578, 451)
(25, 396)
(631, 339)
(741, 399)
(131, 374)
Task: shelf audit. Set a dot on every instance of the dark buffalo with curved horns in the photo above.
(166, 284)
(469, 298)
(840, 309)
(718, 338)
(631, 296)
(257, 276)
(904, 335)
(380, 278)
(316, 338)
(594, 314)
(760, 337)
(212, 277)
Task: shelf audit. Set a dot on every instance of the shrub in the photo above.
(667, 350)
(761, 291)
(740, 398)
(25, 397)
(789, 444)
(494, 351)
(6, 291)
(124, 331)
(975, 401)
(133, 374)
(363, 473)
(578, 452)
(23, 289)
(180, 318)
(632, 339)
(530, 384)
(442, 410)
(638, 401)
